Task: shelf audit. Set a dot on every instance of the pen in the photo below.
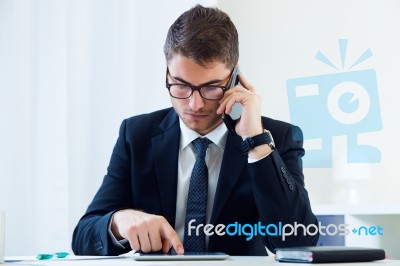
(46, 256)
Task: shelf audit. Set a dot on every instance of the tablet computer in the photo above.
(187, 256)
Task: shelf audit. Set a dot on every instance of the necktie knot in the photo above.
(200, 145)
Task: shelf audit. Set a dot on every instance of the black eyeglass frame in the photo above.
(197, 88)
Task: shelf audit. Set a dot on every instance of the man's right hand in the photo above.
(145, 232)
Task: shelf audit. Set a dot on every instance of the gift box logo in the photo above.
(340, 104)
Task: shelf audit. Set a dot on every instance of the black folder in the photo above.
(323, 254)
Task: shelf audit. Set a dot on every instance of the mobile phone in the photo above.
(231, 119)
(186, 256)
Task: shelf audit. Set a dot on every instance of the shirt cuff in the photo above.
(253, 160)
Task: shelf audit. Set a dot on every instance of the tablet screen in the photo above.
(186, 256)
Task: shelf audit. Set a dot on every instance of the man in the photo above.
(151, 198)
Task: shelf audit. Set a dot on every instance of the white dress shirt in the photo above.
(186, 160)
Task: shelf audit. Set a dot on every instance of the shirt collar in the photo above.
(218, 136)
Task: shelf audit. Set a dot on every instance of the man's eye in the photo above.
(211, 88)
(182, 87)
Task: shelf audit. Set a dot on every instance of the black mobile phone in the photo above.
(231, 119)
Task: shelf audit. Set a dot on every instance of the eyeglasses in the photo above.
(184, 91)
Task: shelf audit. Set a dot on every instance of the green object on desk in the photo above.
(59, 255)
(44, 256)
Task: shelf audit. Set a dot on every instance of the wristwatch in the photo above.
(260, 139)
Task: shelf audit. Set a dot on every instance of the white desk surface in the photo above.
(232, 260)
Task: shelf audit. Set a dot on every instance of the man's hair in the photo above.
(204, 35)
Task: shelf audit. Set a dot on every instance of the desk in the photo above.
(233, 260)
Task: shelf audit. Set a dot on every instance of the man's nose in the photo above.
(196, 101)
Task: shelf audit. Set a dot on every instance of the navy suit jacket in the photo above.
(142, 175)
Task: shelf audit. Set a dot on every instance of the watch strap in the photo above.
(257, 140)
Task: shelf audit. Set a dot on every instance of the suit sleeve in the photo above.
(280, 195)
(91, 235)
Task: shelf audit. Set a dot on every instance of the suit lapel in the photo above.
(231, 167)
(165, 148)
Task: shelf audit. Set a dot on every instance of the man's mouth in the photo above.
(196, 116)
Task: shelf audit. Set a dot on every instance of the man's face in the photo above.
(196, 112)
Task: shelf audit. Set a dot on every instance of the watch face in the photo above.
(271, 142)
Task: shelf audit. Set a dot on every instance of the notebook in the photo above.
(329, 254)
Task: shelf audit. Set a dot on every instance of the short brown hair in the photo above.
(203, 34)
